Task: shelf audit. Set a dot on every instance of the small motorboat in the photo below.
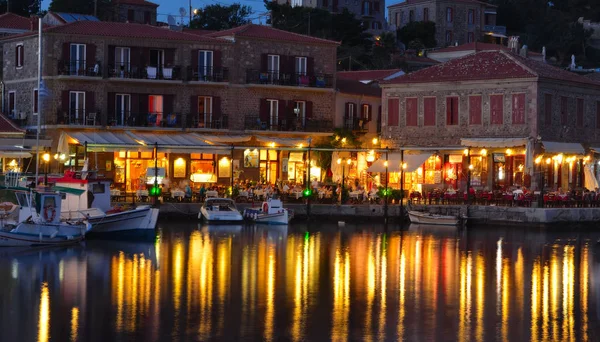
(427, 218)
(220, 210)
(44, 227)
(271, 212)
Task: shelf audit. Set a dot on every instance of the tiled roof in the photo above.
(488, 65)
(595, 76)
(411, 2)
(197, 32)
(420, 60)
(472, 47)
(126, 30)
(357, 88)
(366, 75)
(266, 32)
(7, 126)
(17, 22)
(137, 2)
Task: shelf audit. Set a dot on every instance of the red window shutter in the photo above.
(310, 66)
(429, 104)
(66, 51)
(112, 105)
(264, 64)
(169, 57)
(90, 102)
(217, 59)
(65, 101)
(518, 108)
(309, 109)
(475, 110)
(579, 112)
(194, 106)
(411, 112)
(281, 114)
(264, 110)
(90, 55)
(452, 110)
(370, 113)
(195, 59)
(548, 109)
(216, 107)
(564, 116)
(393, 111)
(168, 104)
(598, 114)
(496, 109)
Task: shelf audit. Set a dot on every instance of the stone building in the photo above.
(11, 24)
(514, 121)
(456, 21)
(106, 77)
(134, 11)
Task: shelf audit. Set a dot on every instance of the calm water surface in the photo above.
(323, 282)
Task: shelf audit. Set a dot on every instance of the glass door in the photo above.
(123, 108)
(77, 61)
(122, 66)
(205, 65)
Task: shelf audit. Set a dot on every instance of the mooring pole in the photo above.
(402, 184)
(155, 175)
(309, 185)
(385, 191)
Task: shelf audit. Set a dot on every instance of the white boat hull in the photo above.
(220, 216)
(33, 234)
(139, 221)
(275, 218)
(425, 218)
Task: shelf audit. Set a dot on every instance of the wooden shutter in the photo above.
(168, 104)
(169, 57)
(264, 64)
(22, 55)
(264, 110)
(309, 109)
(452, 110)
(90, 102)
(429, 111)
(475, 110)
(370, 113)
(112, 105)
(143, 103)
(66, 51)
(347, 110)
(17, 59)
(548, 109)
(216, 107)
(518, 108)
(564, 116)
(281, 111)
(393, 111)
(496, 109)
(579, 112)
(195, 59)
(411, 110)
(310, 66)
(217, 59)
(90, 55)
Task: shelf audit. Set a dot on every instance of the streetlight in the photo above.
(342, 161)
(46, 158)
(538, 162)
(60, 159)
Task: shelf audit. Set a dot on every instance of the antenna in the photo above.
(171, 20)
(182, 13)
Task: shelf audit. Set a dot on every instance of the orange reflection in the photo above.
(464, 315)
(44, 315)
(270, 295)
(383, 293)
(480, 295)
(535, 299)
(341, 296)
(401, 295)
(224, 257)
(584, 265)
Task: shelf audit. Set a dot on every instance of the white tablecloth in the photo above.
(210, 194)
(243, 194)
(355, 194)
(297, 194)
(141, 193)
(177, 193)
(115, 192)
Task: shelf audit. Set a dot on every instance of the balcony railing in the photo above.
(254, 76)
(130, 71)
(207, 121)
(79, 116)
(253, 122)
(208, 74)
(355, 124)
(79, 67)
(495, 29)
(145, 119)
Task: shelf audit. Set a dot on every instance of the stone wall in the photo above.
(122, 9)
(30, 59)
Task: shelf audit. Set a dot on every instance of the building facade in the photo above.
(456, 21)
(510, 120)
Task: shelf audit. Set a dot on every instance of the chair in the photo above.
(171, 120)
(91, 119)
(151, 71)
(320, 82)
(168, 73)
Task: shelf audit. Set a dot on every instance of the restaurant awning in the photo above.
(493, 142)
(181, 142)
(296, 157)
(290, 142)
(561, 147)
(97, 141)
(393, 160)
(224, 139)
(415, 161)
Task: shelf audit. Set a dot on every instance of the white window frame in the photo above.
(301, 66)
(20, 51)
(34, 98)
(275, 62)
(123, 111)
(76, 62)
(208, 61)
(207, 110)
(77, 114)
(296, 3)
(366, 108)
(119, 60)
(273, 112)
(301, 105)
(12, 111)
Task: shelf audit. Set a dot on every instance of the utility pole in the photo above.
(309, 23)
(190, 17)
(95, 8)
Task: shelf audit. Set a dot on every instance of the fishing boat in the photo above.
(271, 212)
(220, 210)
(43, 226)
(427, 218)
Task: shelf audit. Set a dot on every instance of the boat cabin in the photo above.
(43, 205)
(219, 204)
(91, 192)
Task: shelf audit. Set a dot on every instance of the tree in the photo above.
(21, 7)
(424, 31)
(104, 8)
(218, 17)
(385, 46)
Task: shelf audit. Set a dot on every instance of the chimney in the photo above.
(523, 52)
(33, 22)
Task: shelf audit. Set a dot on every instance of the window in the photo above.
(157, 58)
(147, 17)
(496, 109)
(76, 106)
(350, 115)
(426, 14)
(205, 64)
(122, 55)
(564, 112)
(471, 17)
(155, 110)
(205, 111)
(411, 16)
(300, 66)
(598, 115)
(300, 112)
(130, 15)
(376, 7)
(579, 112)
(393, 111)
(98, 188)
(448, 37)
(19, 56)
(366, 8)
(122, 108)
(12, 103)
(273, 112)
(449, 15)
(77, 61)
(518, 108)
(470, 37)
(273, 67)
(411, 112)
(366, 112)
(429, 104)
(35, 101)
(548, 109)
(475, 110)
(452, 111)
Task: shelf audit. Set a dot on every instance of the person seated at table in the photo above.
(450, 190)
(188, 191)
(517, 192)
(202, 192)
(286, 188)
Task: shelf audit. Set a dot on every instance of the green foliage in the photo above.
(421, 31)
(219, 17)
(21, 7)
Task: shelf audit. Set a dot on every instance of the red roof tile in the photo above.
(357, 88)
(366, 75)
(595, 76)
(420, 60)
(7, 126)
(266, 32)
(488, 65)
(472, 47)
(17, 22)
(197, 32)
(126, 30)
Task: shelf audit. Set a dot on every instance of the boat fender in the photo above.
(255, 216)
(265, 207)
(49, 213)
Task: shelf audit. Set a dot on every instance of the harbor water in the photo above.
(308, 282)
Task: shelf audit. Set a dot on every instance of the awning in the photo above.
(560, 147)
(97, 141)
(493, 142)
(415, 161)
(223, 139)
(181, 142)
(296, 157)
(14, 154)
(498, 35)
(393, 163)
(290, 142)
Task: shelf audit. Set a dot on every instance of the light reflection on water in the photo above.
(325, 283)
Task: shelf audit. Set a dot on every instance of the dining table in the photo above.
(178, 194)
(212, 194)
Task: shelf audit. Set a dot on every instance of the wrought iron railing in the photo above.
(147, 72)
(254, 76)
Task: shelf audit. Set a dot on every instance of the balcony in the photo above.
(356, 125)
(130, 71)
(254, 76)
(290, 124)
(207, 121)
(79, 117)
(145, 119)
(207, 74)
(494, 29)
(79, 68)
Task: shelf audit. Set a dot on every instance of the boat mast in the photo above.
(39, 114)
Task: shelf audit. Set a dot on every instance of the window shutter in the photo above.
(168, 105)
(347, 110)
(22, 55)
(195, 59)
(193, 113)
(518, 108)
(217, 59)
(65, 104)
(448, 111)
(309, 109)
(264, 64)
(216, 107)
(393, 111)
(310, 66)
(411, 111)
(370, 114)
(90, 102)
(90, 55)
(497, 109)
(17, 59)
(281, 111)
(169, 57)
(429, 104)
(112, 106)
(66, 51)
(135, 103)
(264, 110)
(143, 103)
(475, 110)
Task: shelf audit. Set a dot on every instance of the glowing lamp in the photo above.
(155, 191)
(306, 192)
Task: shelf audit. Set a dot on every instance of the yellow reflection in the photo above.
(249, 279)
(554, 289)
(371, 278)
(519, 286)
(203, 259)
(498, 275)
(341, 296)
(545, 315)
(535, 300)
(568, 293)
(584, 292)
(505, 299)
(270, 303)
(224, 257)
(402, 294)
(44, 317)
(74, 323)
(464, 325)
(383, 294)
(480, 295)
